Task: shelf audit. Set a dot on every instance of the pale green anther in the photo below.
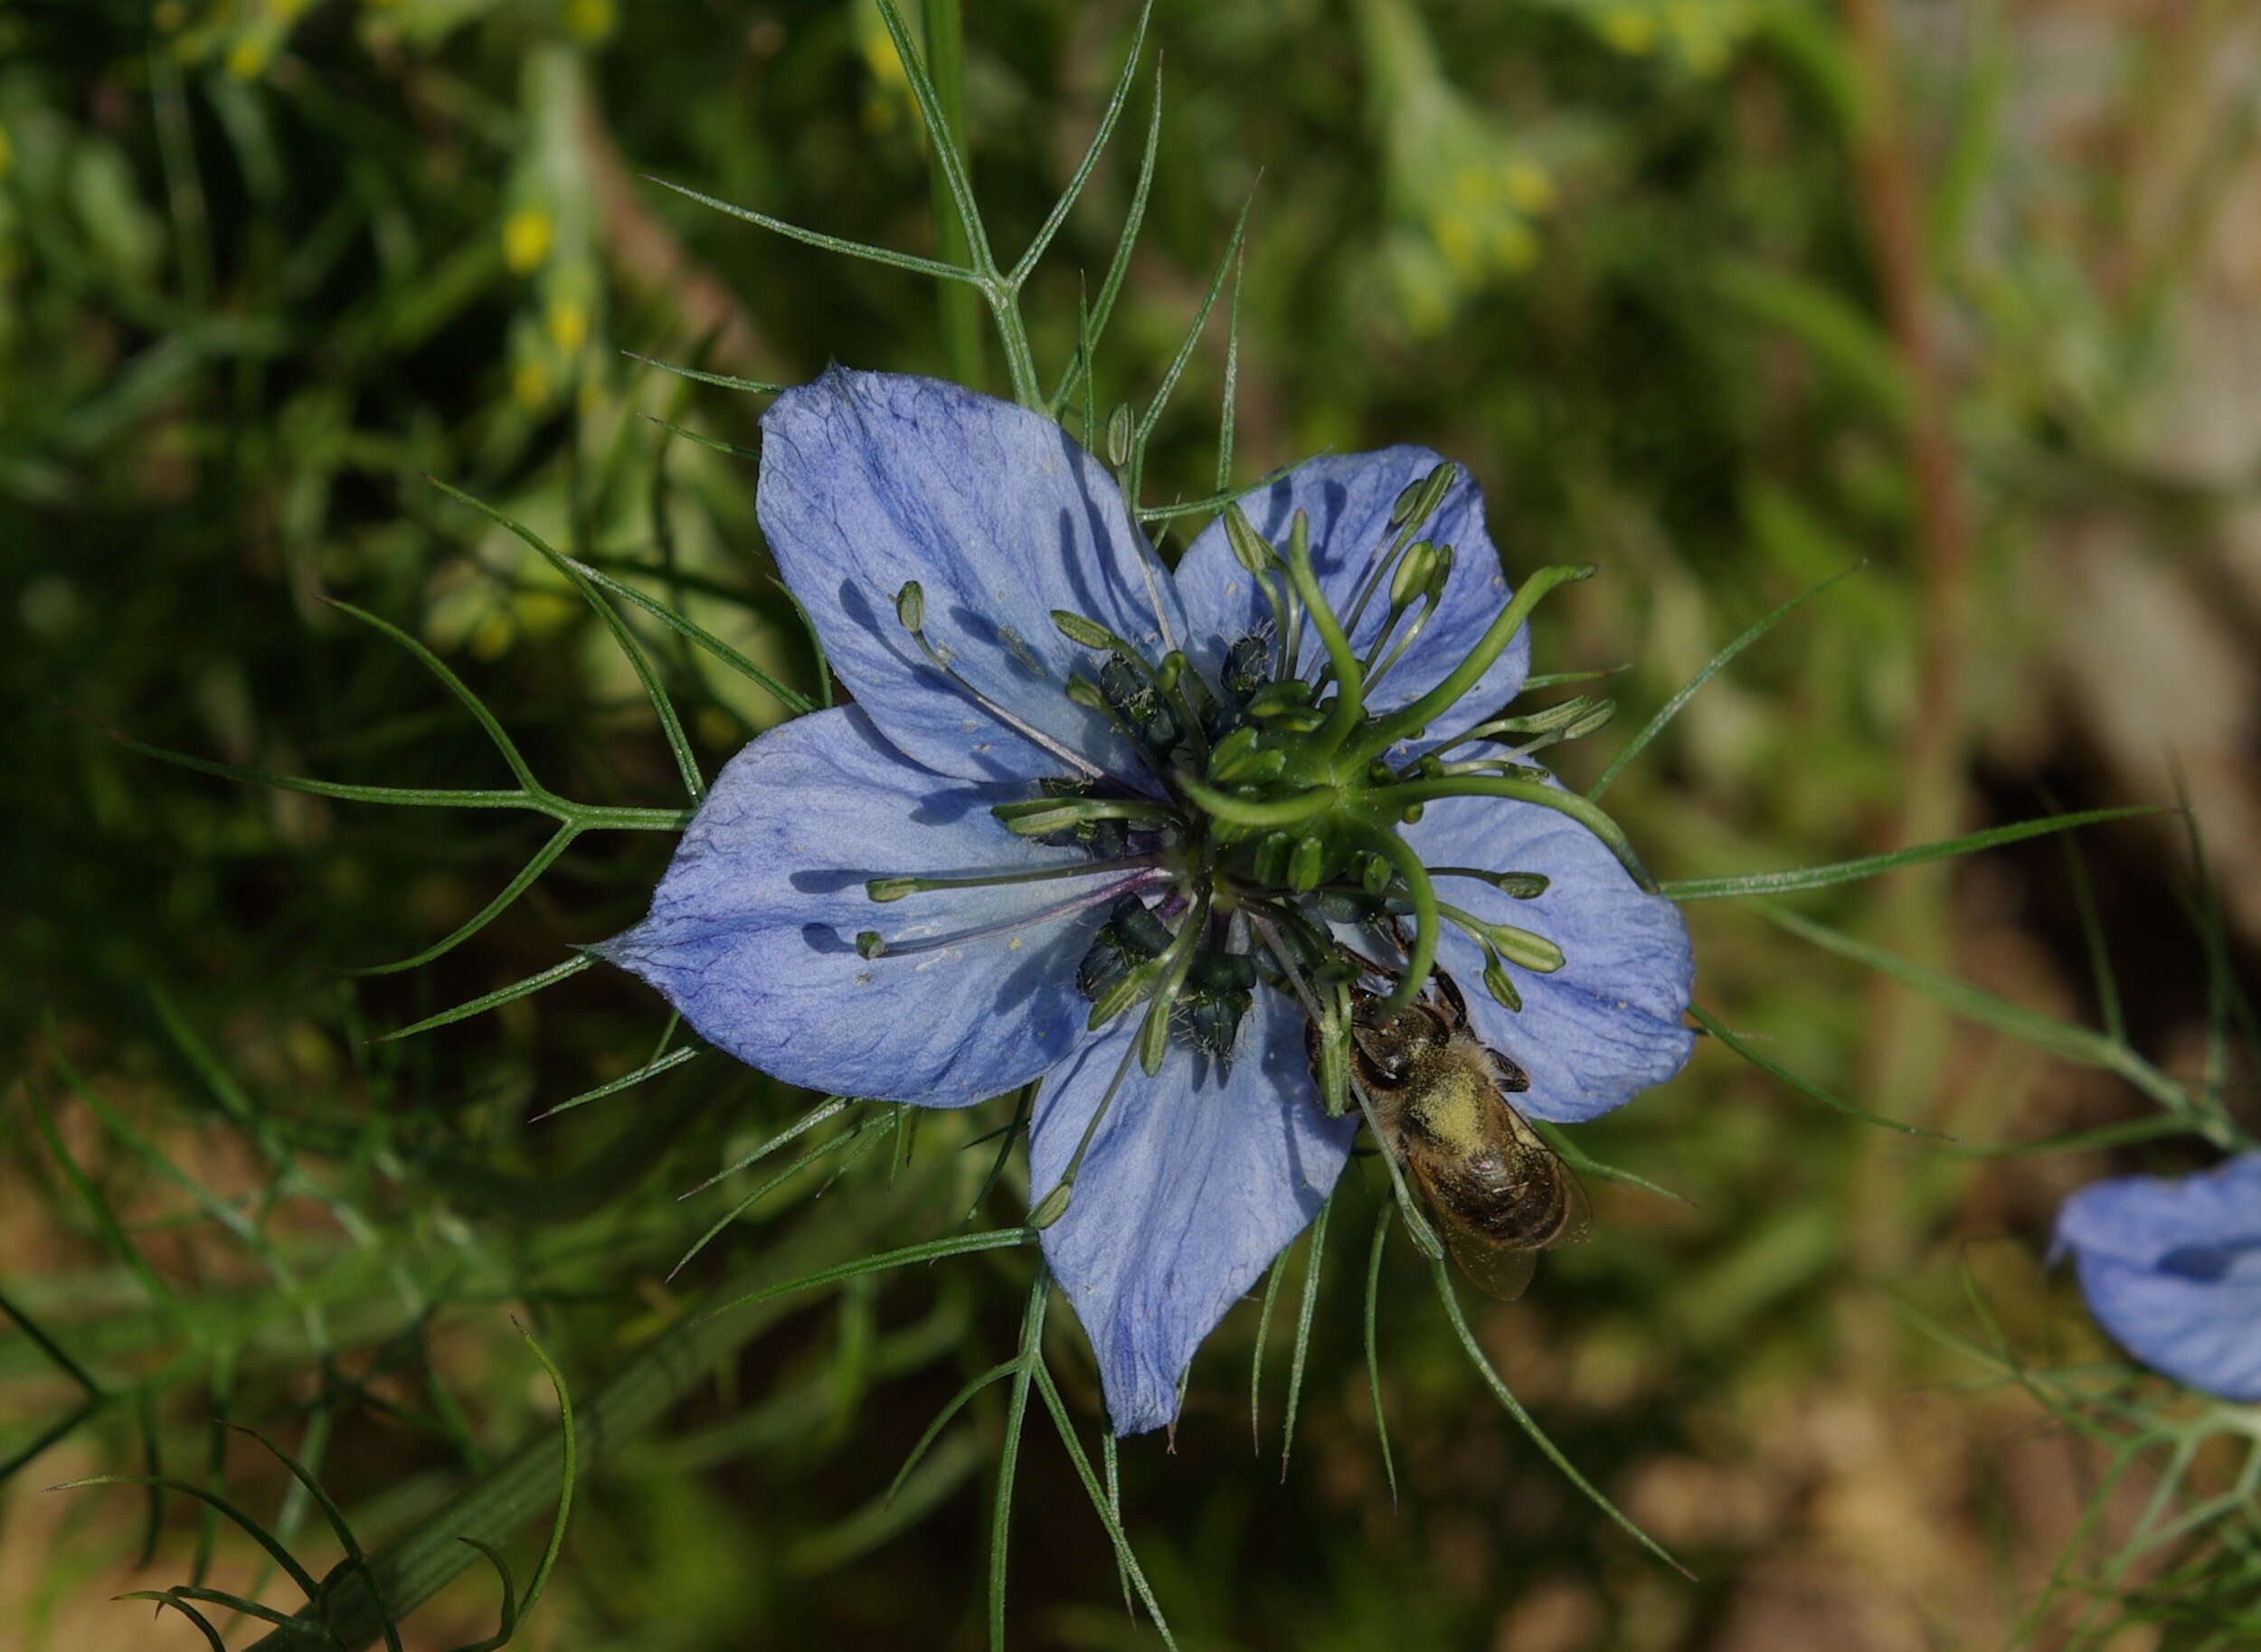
(1084, 633)
(1547, 718)
(1249, 549)
(1128, 989)
(1082, 691)
(1534, 952)
(910, 607)
(1443, 563)
(1414, 576)
(1522, 885)
(1603, 711)
(1401, 512)
(1119, 436)
(1249, 764)
(1497, 983)
(1274, 698)
(1434, 487)
(1043, 822)
(1307, 863)
(1154, 1036)
(889, 889)
(1374, 873)
(870, 943)
(1052, 1207)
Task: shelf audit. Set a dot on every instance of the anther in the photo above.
(911, 611)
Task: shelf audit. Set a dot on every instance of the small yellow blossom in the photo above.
(1630, 29)
(568, 324)
(527, 236)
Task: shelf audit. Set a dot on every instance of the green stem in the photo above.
(1388, 731)
(1248, 812)
(946, 63)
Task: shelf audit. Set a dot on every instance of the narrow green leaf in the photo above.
(1125, 1557)
(958, 1402)
(1272, 1276)
(1030, 1356)
(543, 858)
(846, 1138)
(1579, 1160)
(725, 380)
(947, 153)
(686, 766)
(714, 444)
(1873, 865)
(52, 1349)
(830, 1107)
(651, 1068)
(454, 684)
(167, 1597)
(298, 1575)
(1108, 117)
(798, 704)
(1216, 501)
(508, 1623)
(1657, 725)
(1804, 1085)
(106, 1221)
(830, 243)
(339, 1526)
(501, 994)
(1373, 1354)
(1154, 407)
(1080, 367)
(932, 1250)
(406, 797)
(1547, 1448)
(567, 1473)
(1314, 1259)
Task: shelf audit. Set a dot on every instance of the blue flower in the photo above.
(1098, 823)
(2173, 1269)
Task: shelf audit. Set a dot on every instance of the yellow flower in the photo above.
(568, 321)
(1629, 29)
(248, 57)
(590, 20)
(527, 236)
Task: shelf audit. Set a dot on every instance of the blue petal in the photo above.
(872, 480)
(1607, 1024)
(2173, 1269)
(753, 932)
(1195, 1181)
(1348, 498)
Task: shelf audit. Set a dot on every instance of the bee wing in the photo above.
(1499, 1208)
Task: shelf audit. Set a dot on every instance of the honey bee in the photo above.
(1498, 1193)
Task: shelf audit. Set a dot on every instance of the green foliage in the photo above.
(342, 349)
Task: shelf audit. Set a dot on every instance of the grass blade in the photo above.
(1804, 1085)
(1657, 725)
(817, 238)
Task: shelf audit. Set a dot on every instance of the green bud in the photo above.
(910, 607)
(1379, 773)
(1497, 983)
(1401, 512)
(870, 943)
(1084, 633)
(1249, 549)
(1411, 813)
(1119, 436)
(1052, 1207)
(1413, 575)
(1434, 487)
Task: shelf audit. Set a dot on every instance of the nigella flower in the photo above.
(2173, 1269)
(1096, 823)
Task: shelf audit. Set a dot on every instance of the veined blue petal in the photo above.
(870, 481)
(2173, 1269)
(1606, 1027)
(1348, 498)
(753, 932)
(1195, 1181)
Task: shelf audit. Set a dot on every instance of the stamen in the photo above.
(1349, 707)
(1042, 817)
(871, 943)
(910, 611)
(895, 889)
(1536, 953)
(1386, 731)
(1054, 1203)
(1417, 510)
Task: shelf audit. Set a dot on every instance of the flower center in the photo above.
(1283, 796)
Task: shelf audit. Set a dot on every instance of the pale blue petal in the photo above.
(870, 481)
(1348, 498)
(2173, 1269)
(753, 930)
(1195, 1181)
(1607, 1024)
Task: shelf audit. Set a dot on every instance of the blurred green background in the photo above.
(1723, 295)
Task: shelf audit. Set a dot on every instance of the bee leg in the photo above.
(1511, 1077)
(1450, 990)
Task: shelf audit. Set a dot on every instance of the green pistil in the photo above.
(1349, 707)
(1561, 800)
(1258, 814)
(1421, 956)
(1384, 733)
